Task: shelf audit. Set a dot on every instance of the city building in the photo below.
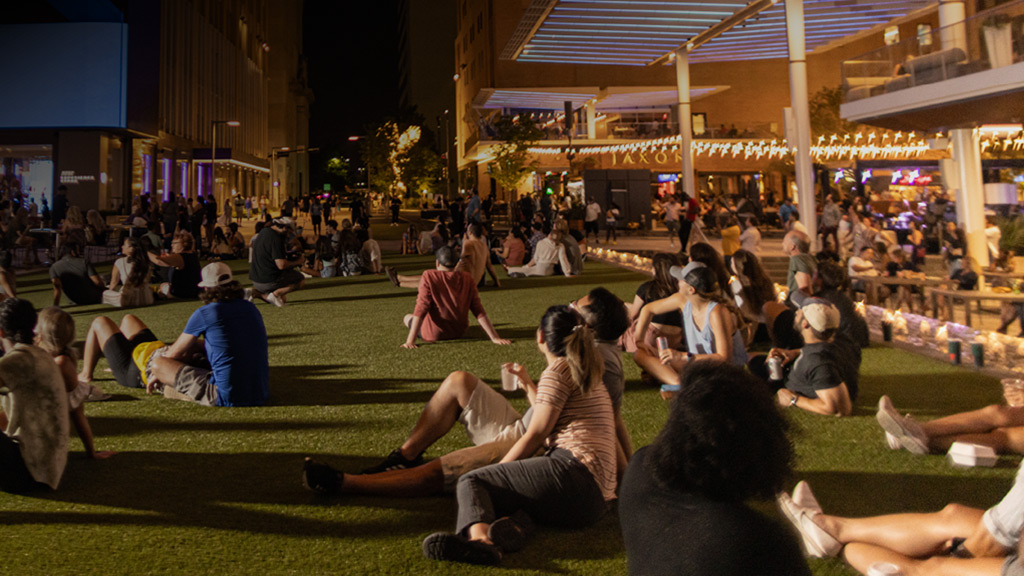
(161, 97)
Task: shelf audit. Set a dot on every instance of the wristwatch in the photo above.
(794, 400)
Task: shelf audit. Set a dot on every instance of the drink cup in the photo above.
(887, 331)
(978, 352)
(884, 569)
(954, 351)
(1013, 391)
(775, 369)
(509, 381)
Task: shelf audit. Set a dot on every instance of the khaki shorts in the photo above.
(193, 385)
(493, 426)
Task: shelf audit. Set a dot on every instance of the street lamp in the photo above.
(213, 152)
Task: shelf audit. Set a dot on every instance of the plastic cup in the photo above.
(887, 331)
(884, 569)
(509, 381)
(978, 352)
(1013, 391)
(662, 343)
(954, 351)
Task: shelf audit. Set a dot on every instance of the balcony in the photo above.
(967, 73)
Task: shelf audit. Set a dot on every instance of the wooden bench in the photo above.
(968, 296)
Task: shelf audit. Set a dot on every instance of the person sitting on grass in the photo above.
(548, 253)
(683, 501)
(491, 423)
(700, 300)
(75, 277)
(273, 274)
(997, 426)
(183, 267)
(571, 484)
(957, 540)
(814, 380)
(228, 368)
(55, 333)
(324, 260)
(445, 298)
(370, 254)
(35, 422)
(131, 272)
(475, 261)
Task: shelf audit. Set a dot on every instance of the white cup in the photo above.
(509, 381)
(884, 569)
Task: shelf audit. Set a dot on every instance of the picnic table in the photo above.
(871, 284)
(968, 296)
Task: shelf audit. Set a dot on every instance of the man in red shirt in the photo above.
(445, 298)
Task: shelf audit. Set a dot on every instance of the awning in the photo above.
(610, 99)
(642, 33)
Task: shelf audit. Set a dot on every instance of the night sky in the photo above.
(352, 49)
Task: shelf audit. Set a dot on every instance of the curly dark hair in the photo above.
(223, 293)
(725, 438)
(18, 320)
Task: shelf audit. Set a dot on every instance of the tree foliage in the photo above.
(824, 112)
(399, 158)
(511, 162)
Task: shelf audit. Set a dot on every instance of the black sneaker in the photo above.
(395, 461)
(453, 548)
(320, 478)
(392, 275)
(512, 532)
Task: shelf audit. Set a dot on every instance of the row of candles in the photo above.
(628, 260)
(948, 335)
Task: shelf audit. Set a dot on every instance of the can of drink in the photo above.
(662, 343)
(774, 368)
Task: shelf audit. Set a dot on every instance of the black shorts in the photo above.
(287, 278)
(14, 475)
(589, 227)
(118, 351)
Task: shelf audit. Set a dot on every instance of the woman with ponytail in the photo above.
(709, 324)
(570, 483)
(132, 272)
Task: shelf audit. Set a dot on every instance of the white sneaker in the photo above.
(906, 431)
(817, 542)
(305, 275)
(803, 496)
(893, 442)
(273, 299)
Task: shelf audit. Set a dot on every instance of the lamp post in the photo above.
(213, 152)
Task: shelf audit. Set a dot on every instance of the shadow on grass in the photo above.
(231, 492)
(118, 426)
(896, 493)
(919, 393)
(318, 386)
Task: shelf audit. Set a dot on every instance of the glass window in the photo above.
(924, 34)
(892, 35)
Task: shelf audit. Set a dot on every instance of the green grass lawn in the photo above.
(197, 490)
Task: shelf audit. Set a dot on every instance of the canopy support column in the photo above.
(970, 196)
(802, 118)
(686, 145)
(591, 108)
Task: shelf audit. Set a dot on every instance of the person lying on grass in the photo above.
(571, 484)
(958, 540)
(55, 333)
(998, 427)
(34, 443)
(709, 326)
(446, 296)
(491, 423)
(683, 501)
(234, 342)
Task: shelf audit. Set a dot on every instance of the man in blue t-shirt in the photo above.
(235, 343)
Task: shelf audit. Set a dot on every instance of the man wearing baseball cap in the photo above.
(814, 382)
(272, 274)
(234, 340)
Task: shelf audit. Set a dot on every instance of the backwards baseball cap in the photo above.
(215, 274)
(284, 222)
(695, 274)
(820, 314)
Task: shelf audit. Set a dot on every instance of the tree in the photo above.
(511, 158)
(824, 112)
(400, 159)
